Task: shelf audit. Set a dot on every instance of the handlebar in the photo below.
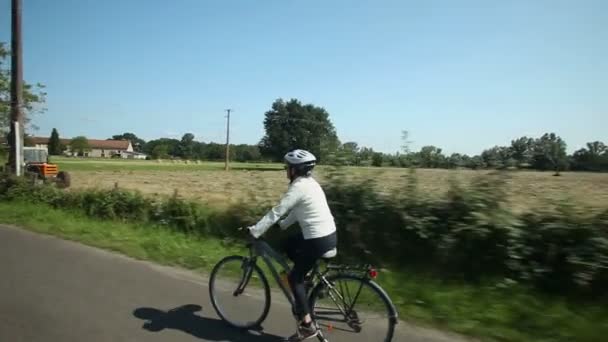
(248, 235)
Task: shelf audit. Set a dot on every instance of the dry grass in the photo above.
(213, 187)
(216, 187)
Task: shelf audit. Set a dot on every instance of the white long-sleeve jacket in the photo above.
(306, 204)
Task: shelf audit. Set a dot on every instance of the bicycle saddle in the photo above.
(330, 254)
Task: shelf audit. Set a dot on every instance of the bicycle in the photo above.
(326, 286)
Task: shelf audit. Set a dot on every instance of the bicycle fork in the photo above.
(247, 271)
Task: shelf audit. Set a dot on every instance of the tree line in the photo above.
(291, 124)
(188, 148)
(163, 148)
(547, 152)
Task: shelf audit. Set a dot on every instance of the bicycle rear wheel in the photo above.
(239, 292)
(355, 307)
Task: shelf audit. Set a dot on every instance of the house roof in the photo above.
(45, 141)
(109, 144)
(93, 143)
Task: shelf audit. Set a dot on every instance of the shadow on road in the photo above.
(183, 318)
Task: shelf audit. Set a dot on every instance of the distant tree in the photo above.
(475, 163)
(345, 154)
(246, 153)
(172, 146)
(138, 144)
(549, 153)
(377, 159)
(407, 160)
(349, 153)
(497, 157)
(186, 146)
(55, 146)
(522, 150)
(465, 160)
(215, 151)
(160, 151)
(351, 147)
(80, 145)
(34, 96)
(597, 148)
(393, 159)
(431, 157)
(511, 163)
(592, 158)
(290, 125)
(455, 161)
(365, 155)
(199, 150)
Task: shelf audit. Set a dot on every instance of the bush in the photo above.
(562, 250)
(472, 228)
(472, 235)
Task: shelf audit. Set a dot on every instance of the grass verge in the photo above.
(491, 312)
(139, 241)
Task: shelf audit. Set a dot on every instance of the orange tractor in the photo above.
(38, 167)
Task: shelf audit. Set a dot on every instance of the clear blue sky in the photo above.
(462, 75)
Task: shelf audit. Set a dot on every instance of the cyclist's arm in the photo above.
(289, 200)
(288, 221)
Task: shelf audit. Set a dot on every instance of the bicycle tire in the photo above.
(376, 289)
(221, 312)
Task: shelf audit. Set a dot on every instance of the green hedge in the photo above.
(472, 234)
(469, 234)
(120, 204)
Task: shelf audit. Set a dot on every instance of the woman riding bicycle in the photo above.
(305, 203)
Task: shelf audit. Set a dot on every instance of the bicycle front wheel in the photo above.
(354, 307)
(239, 292)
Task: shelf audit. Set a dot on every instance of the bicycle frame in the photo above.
(260, 248)
(361, 271)
(342, 297)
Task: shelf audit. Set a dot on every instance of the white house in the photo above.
(133, 155)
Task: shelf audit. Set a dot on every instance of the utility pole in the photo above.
(227, 139)
(16, 122)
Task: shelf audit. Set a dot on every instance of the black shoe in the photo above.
(304, 333)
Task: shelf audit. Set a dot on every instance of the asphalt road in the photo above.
(53, 290)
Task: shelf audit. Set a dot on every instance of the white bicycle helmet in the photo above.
(300, 158)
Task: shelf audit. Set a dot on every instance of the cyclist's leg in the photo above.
(303, 264)
(310, 251)
(293, 246)
(306, 328)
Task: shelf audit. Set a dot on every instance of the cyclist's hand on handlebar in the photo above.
(249, 230)
(254, 232)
